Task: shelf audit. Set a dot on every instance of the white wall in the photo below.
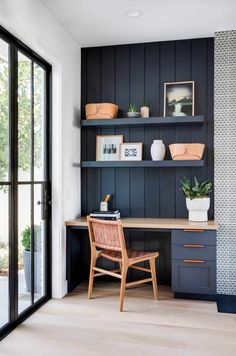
(35, 26)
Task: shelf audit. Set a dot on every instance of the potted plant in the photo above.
(197, 200)
(144, 109)
(4, 257)
(132, 111)
(26, 243)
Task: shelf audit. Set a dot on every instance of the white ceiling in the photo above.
(102, 22)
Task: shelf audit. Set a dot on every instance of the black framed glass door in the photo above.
(24, 181)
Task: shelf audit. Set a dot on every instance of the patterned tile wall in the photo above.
(225, 159)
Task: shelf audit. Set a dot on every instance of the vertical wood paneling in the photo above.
(93, 96)
(84, 135)
(136, 134)
(108, 96)
(167, 134)
(127, 74)
(152, 95)
(137, 86)
(122, 99)
(199, 75)
(183, 134)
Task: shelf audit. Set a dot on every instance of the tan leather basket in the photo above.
(101, 111)
(186, 151)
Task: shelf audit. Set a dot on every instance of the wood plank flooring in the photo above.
(76, 326)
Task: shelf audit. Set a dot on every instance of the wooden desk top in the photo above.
(153, 223)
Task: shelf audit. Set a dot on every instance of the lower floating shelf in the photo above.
(141, 164)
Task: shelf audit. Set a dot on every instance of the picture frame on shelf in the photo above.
(131, 151)
(179, 98)
(108, 147)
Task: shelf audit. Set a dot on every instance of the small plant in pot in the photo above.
(132, 111)
(26, 243)
(197, 200)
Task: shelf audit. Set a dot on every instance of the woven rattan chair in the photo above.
(107, 240)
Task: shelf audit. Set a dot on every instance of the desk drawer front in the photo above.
(194, 252)
(194, 237)
(193, 276)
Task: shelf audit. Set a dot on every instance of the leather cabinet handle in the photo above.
(194, 261)
(194, 230)
(194, 246)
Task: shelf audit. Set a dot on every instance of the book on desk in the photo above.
(106, 215)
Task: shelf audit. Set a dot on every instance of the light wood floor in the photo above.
(76, 326)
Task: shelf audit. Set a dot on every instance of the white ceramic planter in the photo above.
(198, 209)
(158, 150)
(133, 114)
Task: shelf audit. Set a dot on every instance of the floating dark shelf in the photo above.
(132, 164)
(151, 121)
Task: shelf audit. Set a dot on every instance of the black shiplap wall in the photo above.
(130, 73)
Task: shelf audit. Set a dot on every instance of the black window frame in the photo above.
(16, 45)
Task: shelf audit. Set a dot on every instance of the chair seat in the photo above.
(132, 255)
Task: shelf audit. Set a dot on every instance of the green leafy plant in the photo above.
(195, 190)
(132, 108)
(4, 257)
(144, 103)
(24, 117)
(26, 238)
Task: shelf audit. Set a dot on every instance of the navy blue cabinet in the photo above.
(193, 261)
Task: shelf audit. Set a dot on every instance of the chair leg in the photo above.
(154, 277)
(123, 283)
(91, 275)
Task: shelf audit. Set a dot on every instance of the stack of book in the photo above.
(106, 215)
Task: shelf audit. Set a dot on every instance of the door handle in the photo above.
(194, 246)
(194, 261)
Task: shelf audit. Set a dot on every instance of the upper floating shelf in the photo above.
(141, 164)
(151, 121)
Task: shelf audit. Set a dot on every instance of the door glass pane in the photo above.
(39, 244)
(24, 247)
(4, 112)
(24, 117)
(39, 122)
(4, 253)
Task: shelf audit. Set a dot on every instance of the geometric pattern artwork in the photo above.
(225, 159)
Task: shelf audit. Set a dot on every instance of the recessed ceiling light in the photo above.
(132, 13)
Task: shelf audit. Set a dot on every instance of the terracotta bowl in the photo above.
(186, 151)
(101, 111)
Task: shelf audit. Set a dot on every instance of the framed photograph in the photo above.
(179, 99)
(108, 147)
(132, 151)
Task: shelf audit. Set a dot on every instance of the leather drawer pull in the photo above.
(194, 261)
(194, 246)
(194, 230)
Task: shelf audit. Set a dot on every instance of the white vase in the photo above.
(144, 111)
(198, 209)
(158, 150)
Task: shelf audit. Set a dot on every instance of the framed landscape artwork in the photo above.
(179, 98)
(108, 147)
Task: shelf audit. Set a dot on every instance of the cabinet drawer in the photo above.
(193, 237)
(194, 252)
(193, 277)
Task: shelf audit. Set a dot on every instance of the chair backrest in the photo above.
(106, 234)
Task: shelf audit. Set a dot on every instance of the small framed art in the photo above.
(108, 147)
(131, 151)
(179, 98)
